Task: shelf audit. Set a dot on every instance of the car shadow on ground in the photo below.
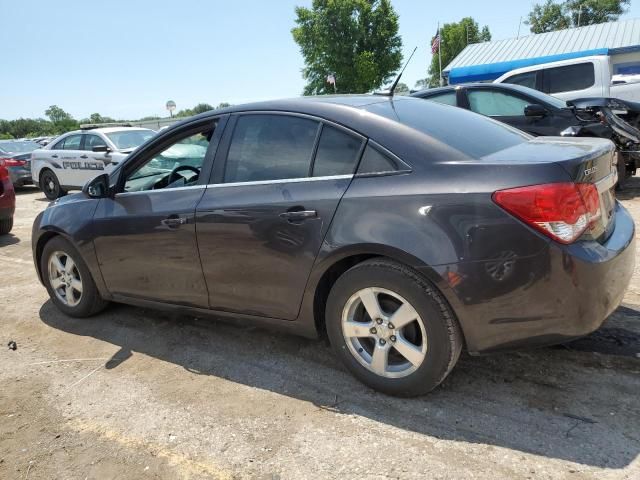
(572, 403)
(26, 190)
(8, 239)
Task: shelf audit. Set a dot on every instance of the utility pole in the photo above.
(579, 14)
(519, 24)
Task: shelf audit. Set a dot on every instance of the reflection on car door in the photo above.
(145, 237)
(261, 225)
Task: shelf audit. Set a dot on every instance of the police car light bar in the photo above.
(91, 126)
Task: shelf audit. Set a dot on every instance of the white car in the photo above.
(72, 159)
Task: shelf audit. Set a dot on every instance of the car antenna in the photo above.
(395, 84)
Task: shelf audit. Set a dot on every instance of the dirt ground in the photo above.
(134, 393)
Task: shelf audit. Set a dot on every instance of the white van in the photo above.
(577, 78)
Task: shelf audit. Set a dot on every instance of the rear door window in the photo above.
(496, 104)
(270, 147)
(337, 153)
(569, 78)
(72, 142)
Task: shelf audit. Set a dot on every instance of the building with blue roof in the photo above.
(489, 60)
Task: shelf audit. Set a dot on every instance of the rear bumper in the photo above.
(561, 293)
(20, 176)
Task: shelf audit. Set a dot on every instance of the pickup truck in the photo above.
(577, 78)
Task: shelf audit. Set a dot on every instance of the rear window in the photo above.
(470, 133)
(569, 78)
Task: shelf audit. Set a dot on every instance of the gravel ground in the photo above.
(134, 393)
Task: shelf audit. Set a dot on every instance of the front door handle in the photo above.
(54, 156)
(173, 222)
(294, 215)
(84, 156)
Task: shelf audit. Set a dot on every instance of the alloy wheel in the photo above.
(65, 278)
(384, 332)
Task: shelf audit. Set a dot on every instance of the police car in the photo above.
(72, 159)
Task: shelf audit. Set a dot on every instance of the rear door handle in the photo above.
(84, 156)
(173, 222)
(299, 214)
(54, 156)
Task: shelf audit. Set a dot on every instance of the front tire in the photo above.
(392, 329)
(68, 280)
(50, 185)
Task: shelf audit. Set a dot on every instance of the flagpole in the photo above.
(440, 54)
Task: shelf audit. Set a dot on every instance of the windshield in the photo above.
(470, 133)
(127, 139)
(18, 147)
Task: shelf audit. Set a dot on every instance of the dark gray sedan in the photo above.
(403, 230)
(15, 156)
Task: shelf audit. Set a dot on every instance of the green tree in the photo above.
(551, 16)
(223, 105)
(590, 12)
(454, 37)
(56, 114)
(201, 108)
(547, 17)
(357, 41)
(61, 120)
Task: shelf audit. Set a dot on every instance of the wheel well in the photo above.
(326, 282)
(42, 241)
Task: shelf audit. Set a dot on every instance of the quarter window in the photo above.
(569, 78)
(270, 147)
(374, 161)
(527, 79)
(448, 98)
(337, 153)
(490, 103)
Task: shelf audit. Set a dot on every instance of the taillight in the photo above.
(4, 175)
(11, 162)
(562, 211)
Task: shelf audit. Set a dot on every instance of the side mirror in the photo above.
(535, 110)
(101, 148)
(97, 187)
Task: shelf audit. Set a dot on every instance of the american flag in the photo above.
(435, 43)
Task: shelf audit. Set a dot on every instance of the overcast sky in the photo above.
(126, 58)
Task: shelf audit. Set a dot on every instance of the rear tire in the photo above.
(419, 350)
(50, 185)
(68, 280)
(6, 225)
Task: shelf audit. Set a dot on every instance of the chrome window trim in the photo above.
(159, 190)
(283, 180)
(238, 184)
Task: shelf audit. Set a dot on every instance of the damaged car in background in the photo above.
(621, 118)
(540, 114)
